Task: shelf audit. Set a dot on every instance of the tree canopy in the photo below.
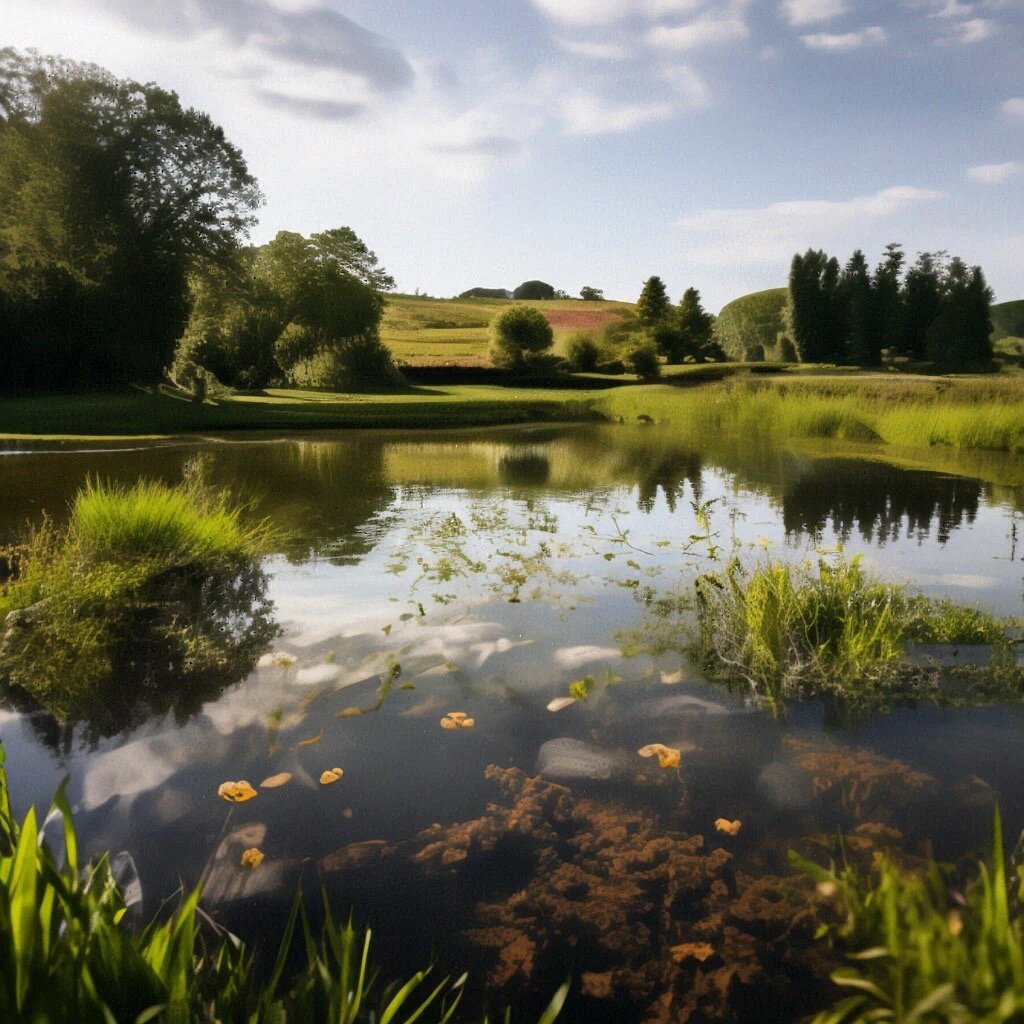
(653, 306)
(518, 333)
(305, 310)
(534, 290)
(110, 193)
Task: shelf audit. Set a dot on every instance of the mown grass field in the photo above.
(425, 332)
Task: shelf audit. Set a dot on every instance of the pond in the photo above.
(486, 573)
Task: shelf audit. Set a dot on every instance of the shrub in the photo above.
(582, 352)
(518, 332)
(642, 358)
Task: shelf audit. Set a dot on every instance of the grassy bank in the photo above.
(975, 413)
(140, 414)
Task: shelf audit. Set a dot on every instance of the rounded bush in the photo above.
(518, 332)
(582, 352)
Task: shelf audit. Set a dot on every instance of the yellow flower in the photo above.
(457, 720)
(252, 858)
(236, 792)
(331, 775)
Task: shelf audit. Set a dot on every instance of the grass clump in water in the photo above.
(912, 957)
(822, 628)
(152, 590)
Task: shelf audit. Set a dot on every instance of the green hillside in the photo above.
(751, 322)
(422, 331)
(1008, 320)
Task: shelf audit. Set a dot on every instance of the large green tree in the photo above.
(695, 327)
(111, 192)
(300, 309)
(813, 317)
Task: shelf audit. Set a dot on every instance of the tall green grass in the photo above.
(823, 628)
(920, 952)
(66, 956)
(975, 414)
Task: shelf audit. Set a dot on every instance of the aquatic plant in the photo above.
(919, 948)
(152, 590)
(823, 627)
(65, 953)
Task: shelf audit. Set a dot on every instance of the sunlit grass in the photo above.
(918, 949)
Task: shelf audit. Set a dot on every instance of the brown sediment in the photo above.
(661, 921)
(860, 783)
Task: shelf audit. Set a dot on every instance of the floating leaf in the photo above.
(406, 616)
(350, 712)
(236, 792)
(283, 659)
(348, 813)
(560, 703)
(730, 828)
(386, 630)
(252, 858)
(312, 741)
(668, 757)
(457, 720)
(276, 780)
(331, 775)
(581, 689)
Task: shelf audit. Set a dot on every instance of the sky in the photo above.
(598, 142)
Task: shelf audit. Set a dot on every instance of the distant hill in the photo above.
(1008, 320)
(750, 323)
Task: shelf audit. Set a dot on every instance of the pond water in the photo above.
(485, 572)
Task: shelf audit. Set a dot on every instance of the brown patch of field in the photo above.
(581, 319)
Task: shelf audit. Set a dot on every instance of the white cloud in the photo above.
(1014, 108)
(593, 50)
(993, 174)
(844, 42)
(973, 30)
(607, 12)
(752, 236)
(808, 12)
(686, 84)
(707, 31)
(586, 114)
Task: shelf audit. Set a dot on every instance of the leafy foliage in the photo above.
(653, 306)
(534, 290)
(518, 333)
(110, 193)
(303, 309)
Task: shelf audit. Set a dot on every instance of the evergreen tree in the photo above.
(856, 299)
(653, 305)
(813, 314)
(888, 302)
(922, 299)
(694, 326)
(959, 337)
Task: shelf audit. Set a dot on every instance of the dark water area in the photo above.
(484, 572)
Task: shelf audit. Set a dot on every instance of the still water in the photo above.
(485, 572)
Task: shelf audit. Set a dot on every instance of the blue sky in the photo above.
(485, 142)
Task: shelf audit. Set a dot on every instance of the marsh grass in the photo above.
(824, 627)
(66, 955)
(146, 584)
(967, 413)
(919, 949)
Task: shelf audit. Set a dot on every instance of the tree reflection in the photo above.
(185, 637)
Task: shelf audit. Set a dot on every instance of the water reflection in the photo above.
(175, 646)
(881, 503)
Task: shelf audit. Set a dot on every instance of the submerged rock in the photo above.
(566, 759)
(786, 786)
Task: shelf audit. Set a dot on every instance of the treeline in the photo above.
(937, 309)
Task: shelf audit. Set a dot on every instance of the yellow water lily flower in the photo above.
(236, 792)
(457, 720)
